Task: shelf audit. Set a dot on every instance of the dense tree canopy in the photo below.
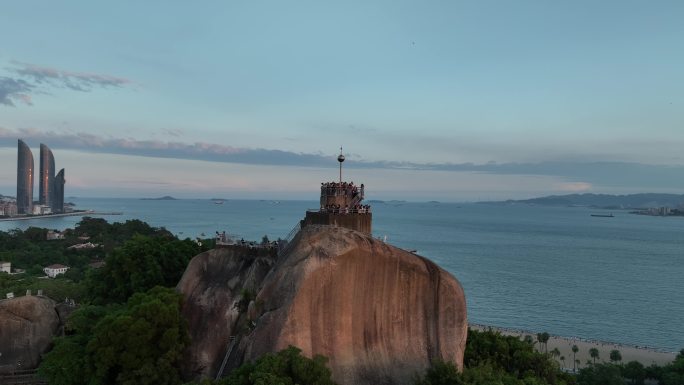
(287, 367)
(492, 358)
(140, 264)
(138, 343)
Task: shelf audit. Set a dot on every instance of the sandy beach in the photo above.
(646, 356)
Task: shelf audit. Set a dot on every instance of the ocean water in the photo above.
(553, 269)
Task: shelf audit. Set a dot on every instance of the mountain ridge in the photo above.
(607, 201)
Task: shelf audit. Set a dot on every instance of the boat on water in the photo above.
(603, 215)
(218, 202)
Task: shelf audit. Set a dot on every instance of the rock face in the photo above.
(379, 313)
(212, 287)
(27, 325)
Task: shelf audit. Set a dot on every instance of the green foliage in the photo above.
(635, 372)
(68, 362)
(513, 356)
(115, 234)
(615, 356)
(491, 358)
(287, 367)
(600, 374)
(441, 373)
(673, 374)
(140, 264)
(139, 343)
(57, 289)
(594, 353)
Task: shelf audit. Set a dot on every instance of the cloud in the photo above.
(77, 81)
(575, 175)
(574, 186)
(29, 79)
(12, 90)
(175, 132)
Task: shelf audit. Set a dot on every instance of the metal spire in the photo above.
(340, 159)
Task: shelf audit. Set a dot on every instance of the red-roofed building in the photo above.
(54, 270)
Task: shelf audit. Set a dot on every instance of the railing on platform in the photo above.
(337, 190)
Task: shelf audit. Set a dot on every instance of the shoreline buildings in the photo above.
(50, 187)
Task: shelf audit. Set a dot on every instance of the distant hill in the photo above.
(632, 201)
(164, 198)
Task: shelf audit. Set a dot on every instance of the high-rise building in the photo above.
(58, 196)
(24, 179)
(47, 176)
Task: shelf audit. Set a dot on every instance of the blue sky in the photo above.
(447, 100)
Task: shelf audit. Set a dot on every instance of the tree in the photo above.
(562, 358)
(555, 353)
(615, 356)
(594, 353)
(600, 374)
(575, 349)
(441, 373)
(634, 371)
(673, 373)
(140, 264)
(142, 343)
(510, 360)
(287, 367)
(68, 362)
(543, 339)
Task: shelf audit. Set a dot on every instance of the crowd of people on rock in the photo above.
(339, 209)
(222, 238)
(344, 188)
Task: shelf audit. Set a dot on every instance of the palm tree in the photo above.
(594, 353)
(575, 349)
(545, 338)
(562, 358)
(540, 339)
(528, 339)
(555, 353)
(577, 363)
(615, 356)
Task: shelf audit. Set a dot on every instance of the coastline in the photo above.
(645, 355)
(72, 214)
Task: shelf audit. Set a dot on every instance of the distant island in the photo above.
(605, 201)
(164, 198)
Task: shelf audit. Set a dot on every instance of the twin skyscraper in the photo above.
(50, 187)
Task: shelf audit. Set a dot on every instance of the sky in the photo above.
(430, 100)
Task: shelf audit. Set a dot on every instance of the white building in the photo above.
(6, 267)
(41, 210)
(54, 234)
(54, 270)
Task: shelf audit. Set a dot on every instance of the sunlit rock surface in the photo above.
(379, 313)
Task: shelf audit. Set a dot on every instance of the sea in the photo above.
(617, 279)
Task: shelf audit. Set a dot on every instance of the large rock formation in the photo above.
(213, 286)
(379, 313)
(27, 325)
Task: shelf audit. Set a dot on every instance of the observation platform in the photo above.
(342, 205)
